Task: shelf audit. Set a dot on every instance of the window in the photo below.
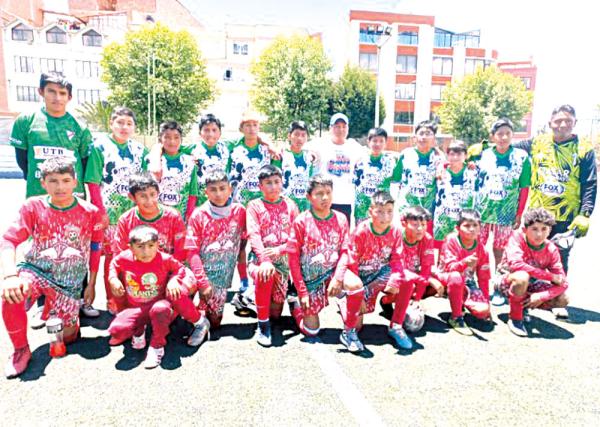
(406, 64)
(436, 92)
(27, 94)
(409, 38)
(405, 91)
(442, 66)
(442, 38)
(88, 95)
(52, 65)
(56, 35)
(24, 64)
(86, 68)
(22, 33)
(445, 38)
(404, 117)
(369, 35)
(472, 64)
(228, 75)
(92, 38)
(368, 61)
(527, 82)
(240, 49)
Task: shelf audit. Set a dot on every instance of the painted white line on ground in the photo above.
(351, 397)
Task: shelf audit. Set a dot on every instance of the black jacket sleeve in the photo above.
(524, 145)
(22, 162)
(588, 180)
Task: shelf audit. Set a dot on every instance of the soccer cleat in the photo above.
(498, 299)
(89, 311)
(139, 342)
(351, 341)
(200, 333)
(517, 327)
(243, 304)
(560, 313)
(153, 357)
(17, 362)
(263, 333)
(460, 326)
(399, 336)
(36, 321)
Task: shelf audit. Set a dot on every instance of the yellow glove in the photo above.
(474, 151)
(582, 223)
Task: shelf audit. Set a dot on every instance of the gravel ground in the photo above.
(493, 378)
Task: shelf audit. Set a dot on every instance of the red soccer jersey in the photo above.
(317, 249)
(217, 241)
(370, 252)
(417, 259)
(145, 282)
(61, 238)
(170, 227)
(270, 226)
(452, 258)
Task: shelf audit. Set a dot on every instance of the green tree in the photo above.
(159, 74)
(472, 104)
(291, 83)
(354, 95)
(96, 115)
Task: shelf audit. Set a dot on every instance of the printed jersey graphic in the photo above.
(210, 159)
(245, 165)
(417, 173)
(371, 174)
(179, 181)
(297, 170)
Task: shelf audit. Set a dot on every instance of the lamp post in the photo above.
(384, 37)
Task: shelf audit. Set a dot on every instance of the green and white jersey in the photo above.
(297, 168)
(455, 192)
(501, 177)
(111, 165)
(44, 137)
(179, 181)
(417, 172)
(370, 175)
(209, 159)
(245, 165)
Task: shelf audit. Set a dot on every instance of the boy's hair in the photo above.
(59, 164)
(57, 78)
(141, 182)
(416, 213)
(316, 180)
(169, 125)
(538, 215)
(207, 119)
(298, 125)
(267, 171)
(427, 124)
(143, 234)
(215, 176)
(565, 108)
(457, 147)
(381, 198)
(122, 111)
(468, 215)
(376, 132)
(499, 123)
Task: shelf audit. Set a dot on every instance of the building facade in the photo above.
(527, 72)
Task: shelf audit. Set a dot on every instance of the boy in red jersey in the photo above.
(534, 275)
(269, 221)
(152, 283)
(375, 256)
(463, 259)
(318, 249)
(66, 233)
(215, 232)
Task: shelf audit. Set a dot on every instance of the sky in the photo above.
(559, 36)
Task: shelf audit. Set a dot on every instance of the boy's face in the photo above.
(171, 141)
(144, 252)
(382, 216)
(340, 130)
(56, 98)
(210, 133)
(297, 139)
(415, 229)
(562, 124)
(122, 128)
(377, 144)
(502, 138)
(146, 201)
(537, 233)
(218, 193)
(250, 129)
(60, 187)
(271, 187)
(320, 198)
(469, 230)
(425, 139)
(456, 158)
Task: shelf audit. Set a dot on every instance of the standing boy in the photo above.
(297, 165)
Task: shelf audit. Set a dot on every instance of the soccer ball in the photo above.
(414, 319)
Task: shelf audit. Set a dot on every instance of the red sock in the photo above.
(353, 302)
(262, 291)
(242, 270)
(402, 299)
(516, 305)
(387, 299)
(456, 290)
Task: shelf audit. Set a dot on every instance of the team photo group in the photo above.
(303, 224)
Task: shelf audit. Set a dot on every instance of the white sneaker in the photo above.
(351, 341)
(139, 343)
(153, 357)
(89, 311)
(200, 332)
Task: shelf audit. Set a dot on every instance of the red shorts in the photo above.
(215, 304)
(501, 234)
(109, 239)
(318, 299)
